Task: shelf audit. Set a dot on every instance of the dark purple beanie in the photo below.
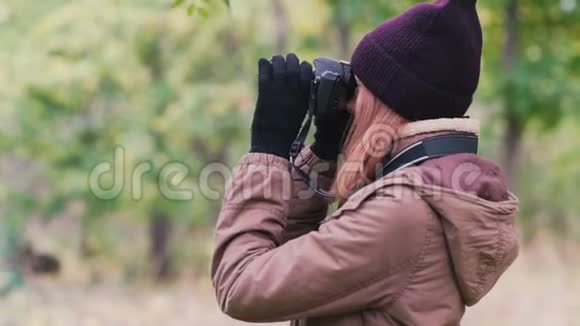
(425, 63)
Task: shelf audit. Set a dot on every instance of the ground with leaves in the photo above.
(543, 288)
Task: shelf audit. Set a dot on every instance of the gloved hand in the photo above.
(330, 133)
(283, 93)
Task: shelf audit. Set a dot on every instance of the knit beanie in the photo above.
(425, 63)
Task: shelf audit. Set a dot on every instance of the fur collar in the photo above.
(416, 131)
(417, 128)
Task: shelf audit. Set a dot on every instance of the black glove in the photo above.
(284, 89)
(330, 133)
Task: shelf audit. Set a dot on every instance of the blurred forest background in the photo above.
(166, 81)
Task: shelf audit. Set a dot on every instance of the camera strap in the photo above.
(431, 148)
(298, 143)
(420, 152)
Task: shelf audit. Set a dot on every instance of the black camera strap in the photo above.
(298, 144)
(420, 152)
(432, 148)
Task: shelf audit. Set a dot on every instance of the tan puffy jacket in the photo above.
(413, 248)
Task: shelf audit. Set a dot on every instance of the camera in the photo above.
(333, 86)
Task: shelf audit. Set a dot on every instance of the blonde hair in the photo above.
(371, 138)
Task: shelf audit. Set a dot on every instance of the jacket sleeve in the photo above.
(359, 260)
(306, 208)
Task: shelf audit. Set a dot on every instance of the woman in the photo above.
(410, 248)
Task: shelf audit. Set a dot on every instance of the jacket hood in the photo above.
(477, 212)
(477, 215)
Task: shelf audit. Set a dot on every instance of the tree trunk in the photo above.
(160, 236)
(86, 224)
(344, 30)
(514, 127)
(10, 241)
(281, 26)
(201, 150)
(512, 147)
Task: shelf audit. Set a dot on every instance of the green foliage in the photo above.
(199, 7)
(544, 84)
(86, 77)
(108, 81)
